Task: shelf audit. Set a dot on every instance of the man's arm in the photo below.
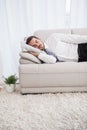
(45, 57)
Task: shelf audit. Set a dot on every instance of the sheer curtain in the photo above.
(78, 14)
(20, 18)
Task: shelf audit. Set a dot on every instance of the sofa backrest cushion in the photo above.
(44, 34)
(81, 31)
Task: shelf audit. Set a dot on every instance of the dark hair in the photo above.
(30, 38)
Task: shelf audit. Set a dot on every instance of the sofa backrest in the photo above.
(81, 31)
(44, 34)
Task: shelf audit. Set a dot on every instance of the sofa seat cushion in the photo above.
(60, 67)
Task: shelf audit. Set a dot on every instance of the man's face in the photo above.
(37, 43)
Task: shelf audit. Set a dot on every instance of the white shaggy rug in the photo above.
(60, 111)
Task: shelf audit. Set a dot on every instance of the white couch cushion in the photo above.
(30, 57)
(25, 61)
(81, 31)
(58, 68)
(44, 34)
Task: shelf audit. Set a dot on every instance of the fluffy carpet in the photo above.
(60, 111)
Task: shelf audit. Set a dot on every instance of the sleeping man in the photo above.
(46, 56)
(58, 51)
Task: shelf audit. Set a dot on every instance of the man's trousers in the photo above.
(82, 52)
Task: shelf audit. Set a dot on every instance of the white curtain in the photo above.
(78, 14)
(20, 18)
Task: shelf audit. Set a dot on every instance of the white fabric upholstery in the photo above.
(81, 31)
(25, 61)
(53, 89)
(59, 67)
(44, 34)
(59, 74)
(70, 38)
(59, 77)
(30, 57)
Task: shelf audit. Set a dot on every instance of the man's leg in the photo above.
(82, 52)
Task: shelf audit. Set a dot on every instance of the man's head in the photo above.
(35, 42)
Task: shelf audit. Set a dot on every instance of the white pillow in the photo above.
(25, 61)
(29, 57)
(26, 47)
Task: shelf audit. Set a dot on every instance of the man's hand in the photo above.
(34, 54)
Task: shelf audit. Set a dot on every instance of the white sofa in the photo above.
(58, 77)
